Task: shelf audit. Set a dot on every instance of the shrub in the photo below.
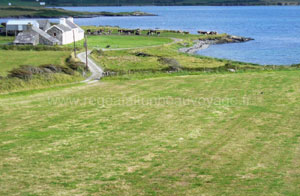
(50, 68)
(26, 71)
(75, 65)
(296, 65)
(21, 73)
(98, 52)
(173, 64)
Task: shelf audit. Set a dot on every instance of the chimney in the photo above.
(71, 19)
(62, 21)
(29, 27)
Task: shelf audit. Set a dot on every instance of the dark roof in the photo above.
(27, 37)
(63, 27)
(71, 24)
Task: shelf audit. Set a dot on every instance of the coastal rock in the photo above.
(205, 43)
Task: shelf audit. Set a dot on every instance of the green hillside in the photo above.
(152, 2)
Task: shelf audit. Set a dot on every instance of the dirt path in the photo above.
(96, 71)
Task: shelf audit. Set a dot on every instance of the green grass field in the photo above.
(210, 134)
(116, 41)
(10, 59)
(160, 133)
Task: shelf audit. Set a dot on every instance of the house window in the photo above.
(54, 34)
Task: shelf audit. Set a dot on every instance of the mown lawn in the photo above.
(116, 41)
(211, 134)
(10, 59)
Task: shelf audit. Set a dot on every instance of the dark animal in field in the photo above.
(202, 32)
(158, 33)
(99, 32)
(152, 32)
(138, 32)
(213, 33)
(128, 32)
(186, 32)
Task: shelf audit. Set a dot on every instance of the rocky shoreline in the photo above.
(205, 43)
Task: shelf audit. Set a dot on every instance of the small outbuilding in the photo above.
(35, 36)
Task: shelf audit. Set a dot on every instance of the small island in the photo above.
(38, 12)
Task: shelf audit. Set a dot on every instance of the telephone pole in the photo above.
(86, 51)
(74, 44)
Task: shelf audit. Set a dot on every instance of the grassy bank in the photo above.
(10, 59)
(37, 83)
(41, 12)
(27, 70)
(217, 134)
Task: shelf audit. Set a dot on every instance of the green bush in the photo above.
(296, 65)
(173, 64)
(98, 52)
(75, 65)
(22, 72)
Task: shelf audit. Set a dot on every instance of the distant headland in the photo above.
(40, 12)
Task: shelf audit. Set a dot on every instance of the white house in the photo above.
(66, 31)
